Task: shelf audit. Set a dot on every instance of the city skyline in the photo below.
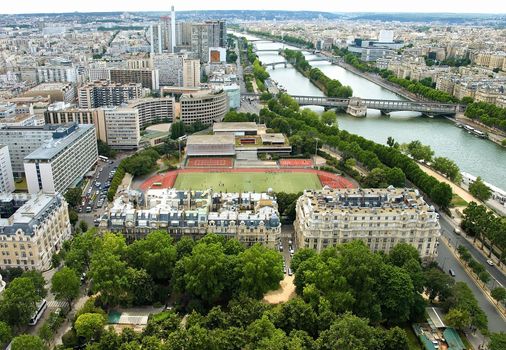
(430, 6)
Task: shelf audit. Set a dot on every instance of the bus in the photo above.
(104, 158)
(41, 307)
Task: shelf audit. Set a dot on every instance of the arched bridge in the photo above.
(385, 106)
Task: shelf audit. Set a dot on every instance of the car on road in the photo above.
(451, 272)
(457, 231)
(290, 272)
(280, 248)
(490, 262)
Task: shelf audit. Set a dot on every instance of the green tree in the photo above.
(396, 339)
(261, 270)
(497, 341)
(479, 190)
(82, 246)
(65, 285)
(38, 282)
(89, 326)
(329, 117)
(184, 247)
(105, 150)
(73, 196)
(300, 256)
(499, 294)
(397, 294)
(402, 253)
(349, 332)
(155, 253)
(177, 130)
(438, 284)
(83, 226)
(109, 277)
(448, 168)
(458, 318)
(140, 286)
(19, 302)
(27, 342)
(441, 194)
(419, 151)
(5, 333)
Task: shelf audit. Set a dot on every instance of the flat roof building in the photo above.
(103, 93)
(6, 177)
(34, 232)
(381, 218)
(210, 145)
(62, 160)
(56, 91)
(206, 107)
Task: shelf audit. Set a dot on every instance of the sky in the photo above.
(460, 6)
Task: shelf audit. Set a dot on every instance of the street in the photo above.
(448, 261)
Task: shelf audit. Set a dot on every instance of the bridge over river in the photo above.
(385, 106)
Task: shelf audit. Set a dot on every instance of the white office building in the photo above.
(6, 177)
(122, 127)
(63, 160)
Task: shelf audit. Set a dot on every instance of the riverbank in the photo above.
(493, 135)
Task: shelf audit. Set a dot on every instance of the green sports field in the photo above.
(248, 181)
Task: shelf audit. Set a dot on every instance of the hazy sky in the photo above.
(480, 6)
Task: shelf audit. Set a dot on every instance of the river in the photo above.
(473, 155)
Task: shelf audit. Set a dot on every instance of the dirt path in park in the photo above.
(283, 294)
(468, 197)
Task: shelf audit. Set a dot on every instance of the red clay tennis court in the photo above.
(210, 162)
(295, 163)
(334, 181)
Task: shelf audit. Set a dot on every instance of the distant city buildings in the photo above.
(381, 218)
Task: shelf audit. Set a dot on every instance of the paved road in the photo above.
(448, 261)
(447, 229)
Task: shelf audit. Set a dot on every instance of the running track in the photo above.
(169, 178)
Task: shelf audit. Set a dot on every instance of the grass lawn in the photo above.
(457, 201)
(248, 181)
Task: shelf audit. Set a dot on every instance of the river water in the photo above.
(473, 155)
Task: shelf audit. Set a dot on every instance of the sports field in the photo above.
(290, 182)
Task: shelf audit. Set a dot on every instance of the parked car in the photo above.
(451, 272)
(490, 262)
(290, 272)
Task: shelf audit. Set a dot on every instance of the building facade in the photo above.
(6, 177)
(102, 93)
(23, 140)
(205, 106)
(65, 92)
(36, 231)
(381, 218)
(122, 127)
(148, 78)
(63, 160)
(249, 217)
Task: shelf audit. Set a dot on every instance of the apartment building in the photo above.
(148, 78)
(34, 232)
(249, 217)
(122, 129)
(170, 68)
(6, 177)
(53, 74)
(63, 160)
(154, 110)
(206, 107)
(200, 41)
(103, 93)
(381, 218)
(56, 91)
(191, 73)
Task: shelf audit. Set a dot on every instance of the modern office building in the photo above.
(23, 140)
(6, 177)
(191, 73)
(170, 68)
(204, 106)
(381, 218)
(148, 78)
(249, 217)
(34, 232)
(200, 41)
(63, 160)
(122, 127)
(103, 93)
(217, 33)
(56, 91)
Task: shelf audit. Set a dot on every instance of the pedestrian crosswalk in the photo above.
(54, 304)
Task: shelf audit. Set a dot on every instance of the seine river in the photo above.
(473, 155)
